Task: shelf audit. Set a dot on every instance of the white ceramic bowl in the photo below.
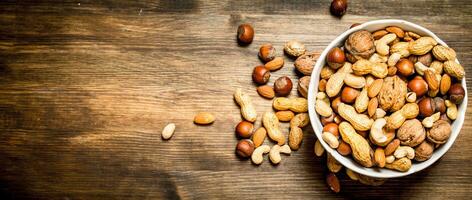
(348, 161)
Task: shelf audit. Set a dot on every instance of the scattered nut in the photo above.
(168, 131)
(338, 7)
(303, 84)
(333, 165)
(259, 136)
(283, 86)
(275, 64)
(257, 154)
(204, 118)
(285, 115)
(247, 109)
(245, 33)
(266, 91)
(245, 148)
(267, 52)
(244, 129)
(333, 182)
(305, 63)
(294, 48)
(274, 153)
(319, 150)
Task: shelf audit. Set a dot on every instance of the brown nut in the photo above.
(419, 86)
(332, 128)
(327, 120)
(303, 84)
(245, 33)
(260, 75)
(244, 148)
(392, 146)
(427, 107)
(405, 67)
(333, 182)
(379, 34)
(349, 95)
(267, 52)
(456, 93)
(275, 64)
(305, 63)
(335, 103)
(322, 85)
(411, 133)
(360, 44)
(397, 30)
(424, 151)
(244, 129)
(440, 132)
(344, 148)
(439, 105)
(426, 59)
(266, 91)
(338, 7)
(283, 86)
(445, 84)
(336, 58)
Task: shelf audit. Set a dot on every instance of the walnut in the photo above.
(392, 95)
(440, 132)
(411, 133)
(360, 44)
(424, 151)
(306, 62)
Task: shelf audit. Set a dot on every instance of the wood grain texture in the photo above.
(86, 88)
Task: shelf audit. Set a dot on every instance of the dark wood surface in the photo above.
(87, 86)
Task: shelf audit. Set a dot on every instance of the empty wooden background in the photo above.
(87, 86)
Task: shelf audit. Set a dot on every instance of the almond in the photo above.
(391, 147)
(379, 34)
(430, 78)
(322, 85)
(284, 116)
(445, 84)
(374, 88)
(379, 157)
(397, 30)
(275, 64)
(204, 118)
(333, 182)
(259, 136)
(266, 91)
(372, 106)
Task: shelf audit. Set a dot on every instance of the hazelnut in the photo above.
(327, 120)
(335, 103)
(244, 129)
(440, 132)
(411, 133)
(283, 86)
(267, 52)
(349, 95)
(244, 148)
(336, 58)
(424, 151)
(405, 67)
(338, 7)
(294, 48)
(440, 105)
(418, 85)
(344, 148)
(303, 84)
(245, 33)
(332, 128)
(456, 93)
(427, 107)
(260, 75)
(360, 44)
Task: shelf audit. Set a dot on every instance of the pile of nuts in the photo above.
(288, 109)
(387, 98)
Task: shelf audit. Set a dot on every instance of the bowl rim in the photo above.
(349, 162)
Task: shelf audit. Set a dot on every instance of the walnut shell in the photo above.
(411, 133)
(392, 95)
(306, 62)
(360, 44)
(440, 132)
(424, 151)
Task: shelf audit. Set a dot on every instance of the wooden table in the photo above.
(87, 86)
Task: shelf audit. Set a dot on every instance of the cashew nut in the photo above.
(322, 105)
(275, 151)
(319, 150)
(329, 138)
(429, 121)
(451, 110)
(393, 59)
(390, 159)
(381, 45)
(404, 151)
(420, 68)
(257, 154)
(376, 132)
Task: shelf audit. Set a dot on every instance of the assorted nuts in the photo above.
(396, 92)
(245, 33)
